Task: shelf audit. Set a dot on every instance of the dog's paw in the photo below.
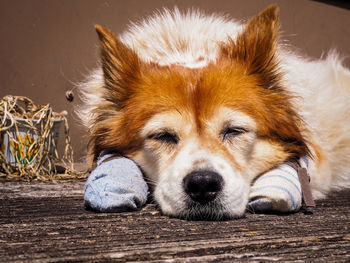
(115, 186)
(274, 199)
(277, 190)
(260, 205)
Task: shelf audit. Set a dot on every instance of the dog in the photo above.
(205, 105)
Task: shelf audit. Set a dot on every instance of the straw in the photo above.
(44, 160)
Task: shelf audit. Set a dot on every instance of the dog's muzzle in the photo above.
(203, 186)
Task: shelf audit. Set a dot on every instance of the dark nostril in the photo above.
(203, 186)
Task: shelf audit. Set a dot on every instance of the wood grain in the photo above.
(46, 222)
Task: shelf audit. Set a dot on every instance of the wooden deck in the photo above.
(46, 222)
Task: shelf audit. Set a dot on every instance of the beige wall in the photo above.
(46, 46)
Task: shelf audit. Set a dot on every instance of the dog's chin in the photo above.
(212, 211)
(215, 210)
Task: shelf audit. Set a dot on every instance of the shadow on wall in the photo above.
(340, 3)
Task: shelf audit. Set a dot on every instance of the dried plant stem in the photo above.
(41, 164)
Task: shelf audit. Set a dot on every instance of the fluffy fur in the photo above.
(183, 92)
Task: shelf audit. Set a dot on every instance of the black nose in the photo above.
(203, 186)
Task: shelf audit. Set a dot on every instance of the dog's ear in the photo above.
(120, 64)
(255, 47)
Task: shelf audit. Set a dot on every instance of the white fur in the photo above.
(159, 38)
(193, 156)
(90, 93)
(172, 198)
(322, 87)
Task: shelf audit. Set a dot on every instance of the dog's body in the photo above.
(202, 102)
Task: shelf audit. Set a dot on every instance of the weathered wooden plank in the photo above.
(48, 223)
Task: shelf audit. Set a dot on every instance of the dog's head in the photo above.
(200, 135)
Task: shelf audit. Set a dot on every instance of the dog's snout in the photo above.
(203, 186)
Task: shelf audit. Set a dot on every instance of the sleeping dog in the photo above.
(205, 106)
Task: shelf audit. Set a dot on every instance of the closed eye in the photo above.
(231, 132)
(165, 137)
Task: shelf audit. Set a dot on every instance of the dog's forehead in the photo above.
(200, 92)
(185, 123)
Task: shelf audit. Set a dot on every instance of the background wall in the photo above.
(47, 46)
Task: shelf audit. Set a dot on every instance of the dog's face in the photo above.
(202, 166)
(200, 135)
